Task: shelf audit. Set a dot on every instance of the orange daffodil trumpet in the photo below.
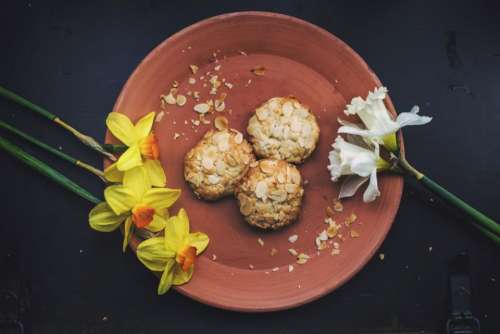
(173, 254)
(142, 152)
(134, 203)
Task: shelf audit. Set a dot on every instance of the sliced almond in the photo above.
(207, 163)
(220, 167)
(273, 252)
(221, 123)
(293, 252)
(337, 206)
(354, 234)
(228, 85)
(170, 99)
(287, 108)
(238, 138)
(159, 117)
(290, 268)
(258, 70)
(261, 242)
(219, 105)
(213, 179)
(261, 190)
(267, 166)
(193, 68)
(191, 81)
(293, 238)
(181, 100)
(217, 67)
(201, 108)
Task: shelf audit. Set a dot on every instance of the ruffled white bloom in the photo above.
(360, 162)
(378, 124)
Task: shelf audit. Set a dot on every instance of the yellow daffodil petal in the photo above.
(157, 224)
(120, 199)
(153, 254)
(137, 180)
(167, 277)
(130, 158)
(127, 233)
(122, 128)
(156, 173)
(103, 219)
(176, 232)
(180, 276)
(144, 125)
(161, 198)
(112, 174)
(199, 241)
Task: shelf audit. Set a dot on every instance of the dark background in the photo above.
(73, 58)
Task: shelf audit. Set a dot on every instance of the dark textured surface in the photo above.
(74, 58)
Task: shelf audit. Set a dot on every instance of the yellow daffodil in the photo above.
(142, 148)
(135, 203)
(175, 253)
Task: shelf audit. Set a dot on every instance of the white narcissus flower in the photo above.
(378, 124)
(359, 163)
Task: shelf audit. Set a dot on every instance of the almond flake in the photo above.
(175, 84)
(258, 70)
(293, 252)
(351, 219)
(176, 135)
(214, 257)
(276, 268)
(302, 258)
(261, 242)
(293, 238)
(170, 99)
(261, 190)
(238, 139)
(217, 67)
(336, 245)
(332, 230)
(329, 211)
(196, 95)
(191, 81)
(193, 68)
(335, 251)
(219, 105)
(213, 179)
(337, 206)
(201, 108)
(274, 251)
(195, 122)
(159, 116)
(290, 268)
(354, 234)
(181, 100)
(221, 123)
(251, 266)
(228, 85)
(243, 53)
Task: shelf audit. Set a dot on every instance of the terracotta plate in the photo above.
(300, 59)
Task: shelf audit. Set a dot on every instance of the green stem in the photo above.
(87, 140)
(46, 170)
(481, 219)
(52, 150)
(25, 103)
(115, 148)
(484, 223)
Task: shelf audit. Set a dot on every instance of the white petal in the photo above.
(350, 185)
(363, 164)
(371, 192)
(412, 118)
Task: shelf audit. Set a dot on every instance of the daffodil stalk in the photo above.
(87, 140)
(52, 150)
(359, 157)
(46, 170)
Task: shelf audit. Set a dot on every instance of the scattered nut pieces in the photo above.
(258, 70)
(335, 251)
(329, 212)
(170, 99)
(276, 268)
(214, 257)
(274, 251)
(351, 219)
(290, 268)
(261, 242)
(221, 123)
(228, 85)
(302, 258)
(293, 252)
(217, 67)
(159, 116)
(337, 206)
(191, 81)
(176, 135)
(354, 234)
(181, 100)
(293, 238)
(201, 108)
(219, 105)
(332, 230)
(193, 68)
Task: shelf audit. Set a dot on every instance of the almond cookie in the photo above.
(283, 129)
(270, 194)
(217, 162)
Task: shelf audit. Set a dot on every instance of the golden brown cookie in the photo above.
(283, 129)
(270, 194)
(217, 162)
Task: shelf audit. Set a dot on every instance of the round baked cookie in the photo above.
(217, 162)
(270, 194)
(283, 129)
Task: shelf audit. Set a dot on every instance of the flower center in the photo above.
(149, 147)
(142, 215)
(185, 258)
